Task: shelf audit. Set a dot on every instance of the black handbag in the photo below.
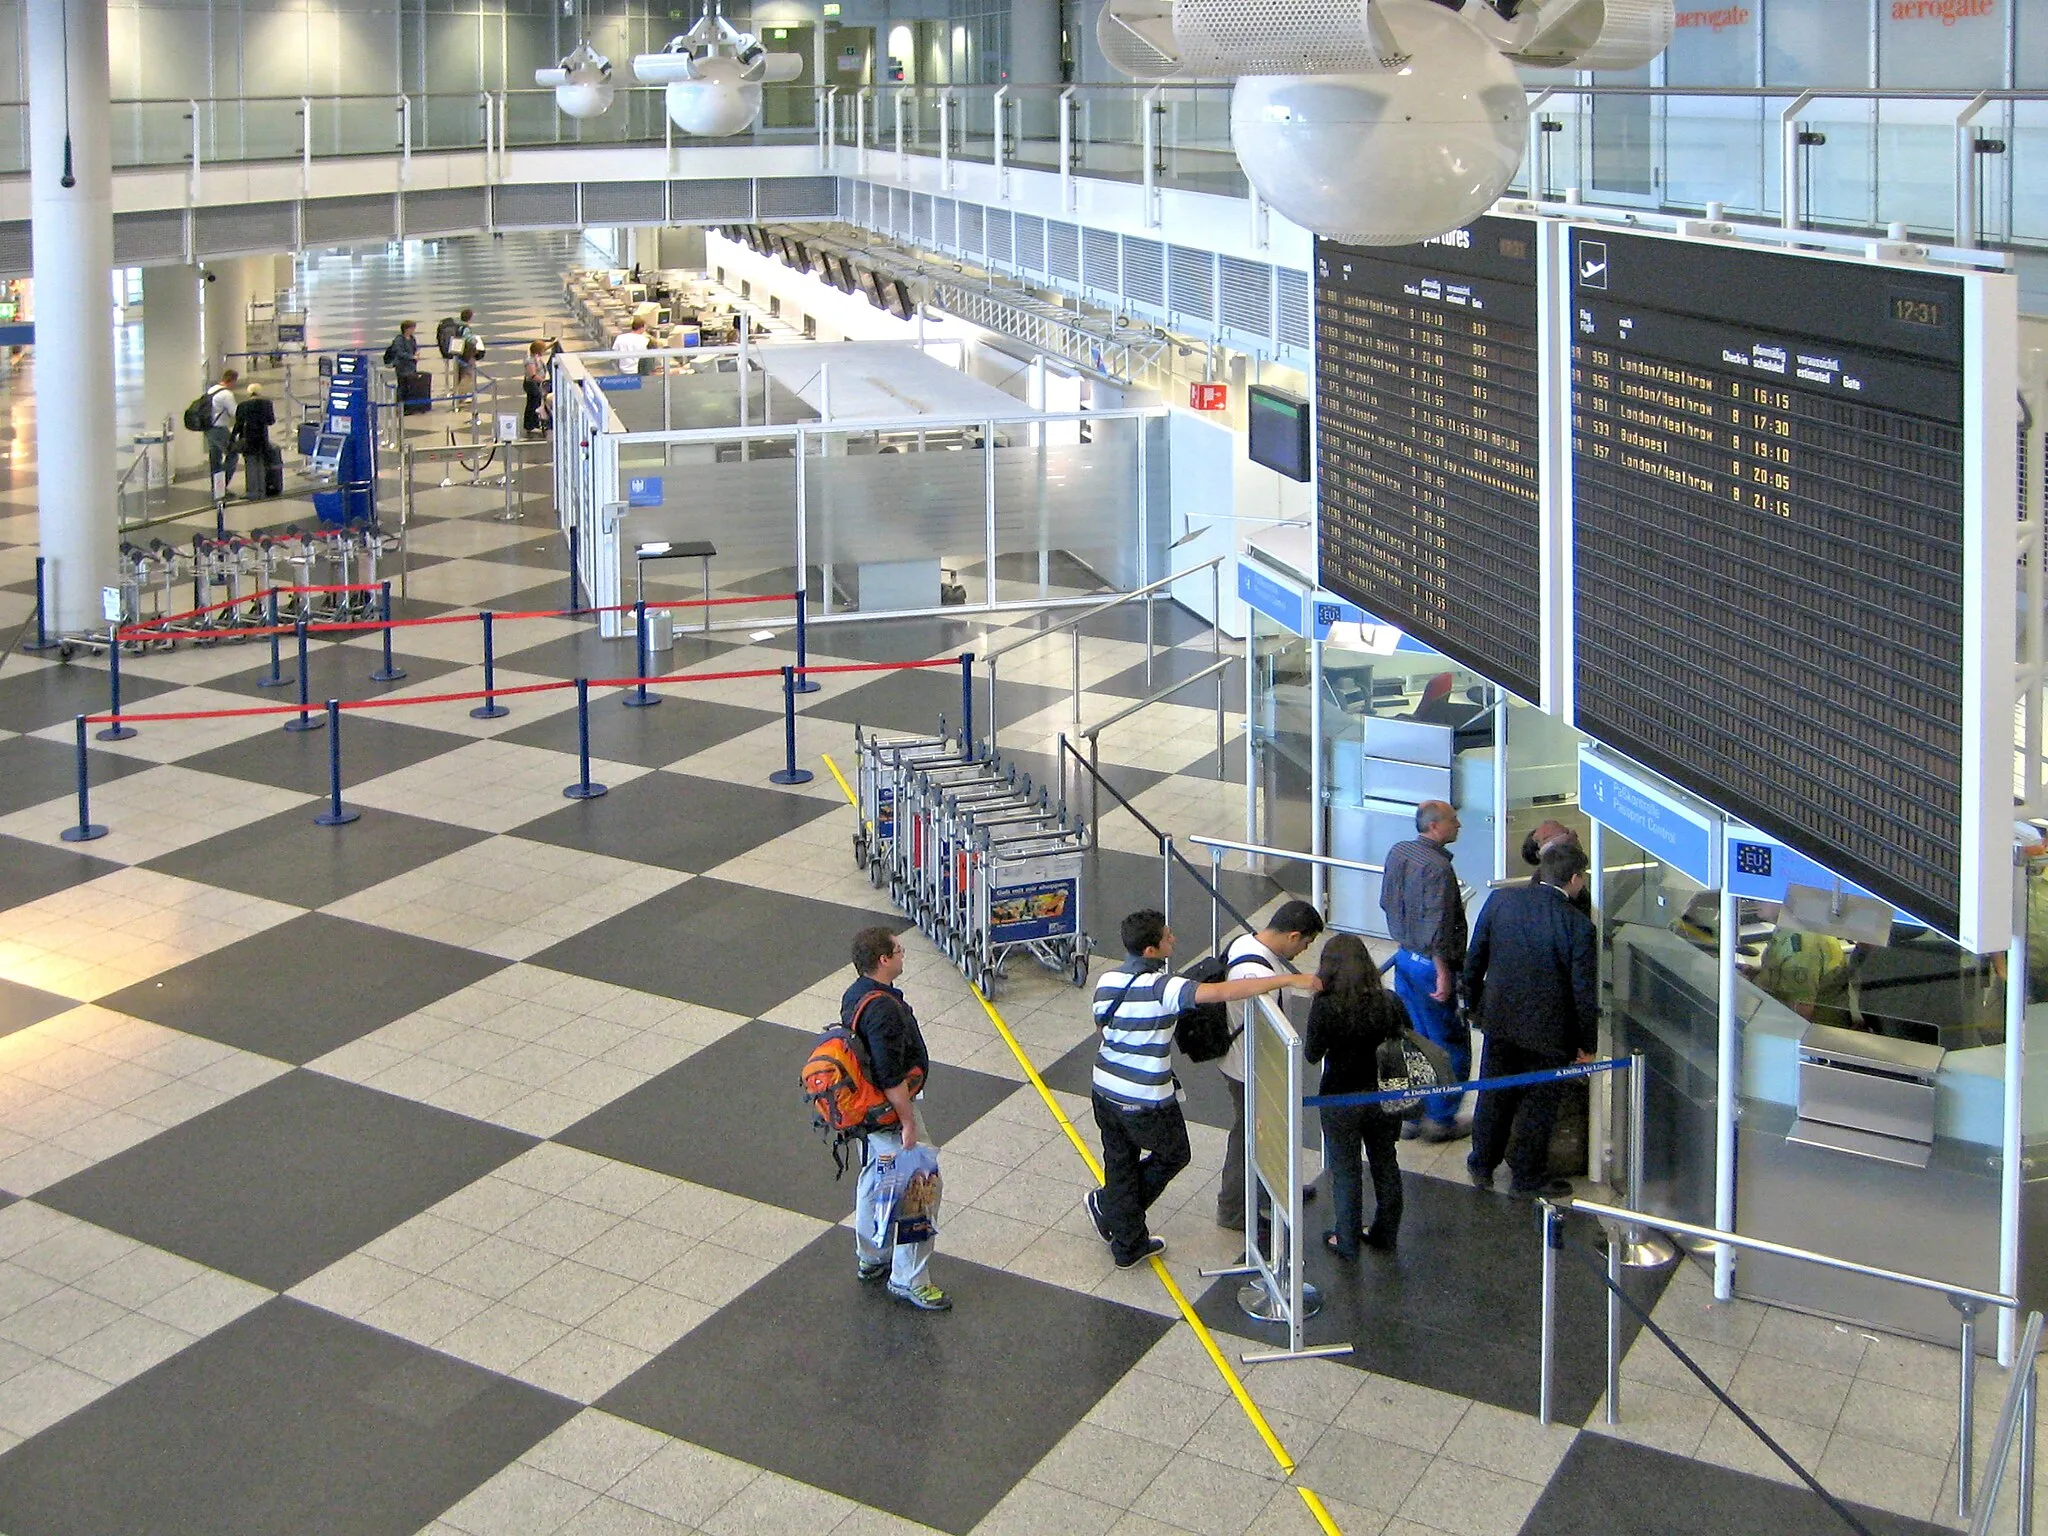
(1417, 1066)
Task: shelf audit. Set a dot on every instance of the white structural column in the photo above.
(173, 357)
(227, 298)
(73, 254)
(1035, 42)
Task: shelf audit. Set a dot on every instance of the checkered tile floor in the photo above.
(444, 1172)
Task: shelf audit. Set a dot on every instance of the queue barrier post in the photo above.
(1553, 1239)
(804, 683)
(87, 829)
(583, 789)
(1640, 1248)
(639, 697)
(967, 700)
(336, 814)
(277, 679)
(490, 709)
(389, 672)
(43, 642)
(575, 586)
(789, 773)
(304, 720)
(115, 730)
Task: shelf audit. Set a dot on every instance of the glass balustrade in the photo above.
(1865, 159)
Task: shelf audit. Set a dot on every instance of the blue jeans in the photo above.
(909, 1261)
(1414, 981)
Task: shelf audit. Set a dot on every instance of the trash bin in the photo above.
(661, 631)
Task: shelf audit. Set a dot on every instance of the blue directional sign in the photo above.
(1275, 599)
(1761, 866)
(643, 490)
(611, 383)
(1662, 825)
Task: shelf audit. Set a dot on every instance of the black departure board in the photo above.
(1768, 518)
(1426, 396)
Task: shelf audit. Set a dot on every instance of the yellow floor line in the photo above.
(1173, 1290)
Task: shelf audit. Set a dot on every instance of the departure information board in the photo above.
(1768, 544)
(1426, 399)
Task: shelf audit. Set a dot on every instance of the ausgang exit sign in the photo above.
(1209, 397)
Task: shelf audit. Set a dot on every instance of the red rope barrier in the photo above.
(137, 632)
(390, 702)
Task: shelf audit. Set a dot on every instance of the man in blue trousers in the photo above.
(1426, 918)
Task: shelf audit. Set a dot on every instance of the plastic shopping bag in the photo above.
(907, 1207)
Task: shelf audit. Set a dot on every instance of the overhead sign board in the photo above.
(1279, 602)
(1662, 825)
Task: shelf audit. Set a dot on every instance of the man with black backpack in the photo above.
(896, 1063)
(1293, 927)
(1144, 1135)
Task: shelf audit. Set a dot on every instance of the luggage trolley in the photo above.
(1028, 895)
(875, 759)
(1017, 808)
(920, 793)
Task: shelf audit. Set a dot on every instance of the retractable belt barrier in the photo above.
(1477, 1085)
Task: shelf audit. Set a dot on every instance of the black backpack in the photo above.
(390, 353)
(446, 333)
(199, 414)
(1203, 1032)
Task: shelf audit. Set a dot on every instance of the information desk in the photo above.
(1768, 513)
(1426, 433)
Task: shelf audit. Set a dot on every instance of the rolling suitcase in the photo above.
(417, 391)
(273, 471)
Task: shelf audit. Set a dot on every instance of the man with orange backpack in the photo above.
(896, 1064)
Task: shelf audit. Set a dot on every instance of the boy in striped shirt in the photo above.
(1144, 1135)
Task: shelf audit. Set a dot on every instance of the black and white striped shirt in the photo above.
(1134, 1067)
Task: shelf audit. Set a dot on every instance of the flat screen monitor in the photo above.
(877, 294)
(803, 255)
(1281, 437)
(326, 457)
(906, 304)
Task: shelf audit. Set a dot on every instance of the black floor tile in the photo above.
(1205, 1097)
(588, 654)
(724, 1118)
(540, 597)
(280, 1182)
(985, 1391)
(1606, 1485)
(1119, 882)
(1044, 768)
(678, 820)
(677, 727)
(288, 858)
(22, 1006)
(288, 1421)
(917, 701)
(43, 696)
(889, 639)
(371, 746)
(725, 946)
(1171, 623)
(333, 672)
(33, 771)
(1176, 664)
(1465, 1255)
(303, 988)
(547, 550)
(31, 871)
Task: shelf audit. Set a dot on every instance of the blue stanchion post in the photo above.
(277, 679)
(87, 829)
(115, 730)
(43, 642)
(583, 789)
(967, 700)
(336, 814)
(803, 684)
(789, 773)
(638, 697)
(490, 709)
(389, 672)
(575, 555)
(305, 719)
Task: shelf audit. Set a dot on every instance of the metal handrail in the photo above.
(1322, 860)
(1089, 613)
(2016, 1414)
(1092, 731)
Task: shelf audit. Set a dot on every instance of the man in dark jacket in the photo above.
(1534, 983)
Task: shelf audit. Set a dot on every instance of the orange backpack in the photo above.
(839, 1086)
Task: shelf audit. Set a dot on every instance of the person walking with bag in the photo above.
(538, 381)
(1350, 1019)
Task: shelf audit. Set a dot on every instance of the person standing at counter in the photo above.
(1426, 918)
(1534, 981)
(1547, 835)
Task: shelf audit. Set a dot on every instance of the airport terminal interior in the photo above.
(1034, 509)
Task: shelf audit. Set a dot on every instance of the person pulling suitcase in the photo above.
(254, 418)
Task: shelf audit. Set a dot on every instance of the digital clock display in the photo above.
(1426, 381)
(1767, 545)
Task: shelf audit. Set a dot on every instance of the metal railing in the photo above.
(2012, 1442)
(1150, 593)
(146, 480)
(1968, 1301)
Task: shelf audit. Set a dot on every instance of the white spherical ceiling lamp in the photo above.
(582, 82)
(1392, 157)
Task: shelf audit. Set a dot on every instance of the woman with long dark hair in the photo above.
(1347, 1023)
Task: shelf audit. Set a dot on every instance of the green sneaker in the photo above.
(926, 1298)
(868, 1273)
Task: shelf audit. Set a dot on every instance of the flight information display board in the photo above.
(1426, 458)
(1768, 544)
